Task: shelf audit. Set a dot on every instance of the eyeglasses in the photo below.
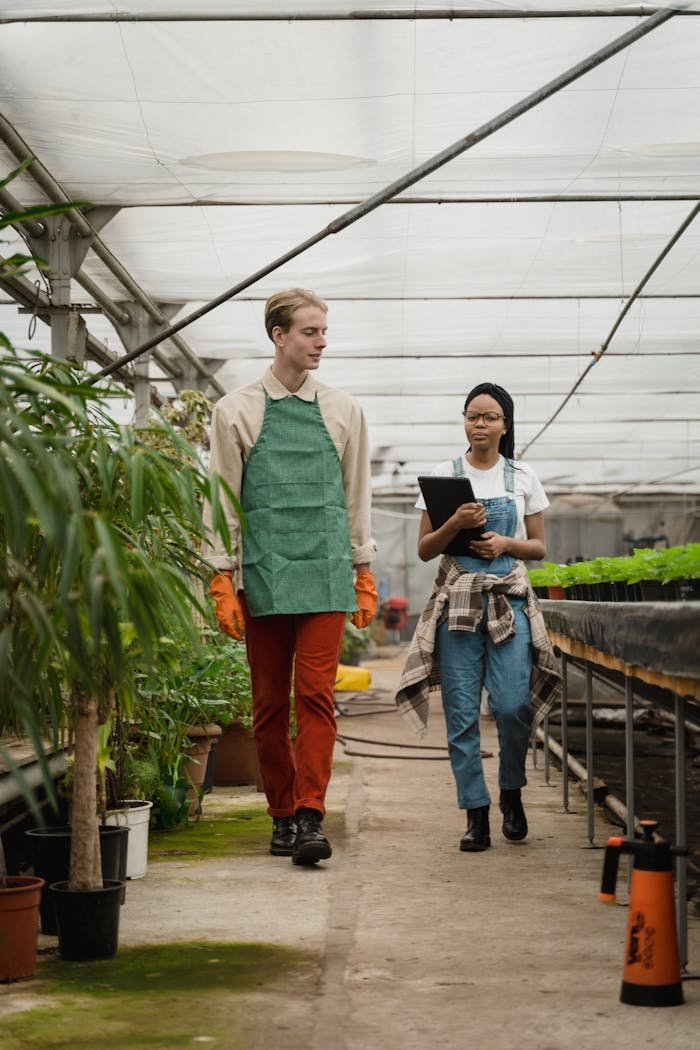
(488, 417)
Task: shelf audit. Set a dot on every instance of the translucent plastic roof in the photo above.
(225, 143)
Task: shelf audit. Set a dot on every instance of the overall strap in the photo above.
(458, 467)
(509, 475)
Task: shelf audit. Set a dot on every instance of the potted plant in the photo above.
(101, 536)
(178, 715)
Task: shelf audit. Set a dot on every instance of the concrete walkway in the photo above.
(419, 945)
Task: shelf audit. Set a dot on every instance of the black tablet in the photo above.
(442, 496)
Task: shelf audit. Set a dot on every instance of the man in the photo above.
(296, 454)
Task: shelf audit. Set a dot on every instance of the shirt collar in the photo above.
(277, 390)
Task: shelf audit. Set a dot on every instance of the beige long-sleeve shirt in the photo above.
(235, 427)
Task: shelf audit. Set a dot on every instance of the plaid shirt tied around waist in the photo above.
(462, 591)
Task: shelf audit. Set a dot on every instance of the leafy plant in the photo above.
(674, 563)
(355, 640)
(99, 541)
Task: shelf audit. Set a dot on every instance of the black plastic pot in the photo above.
(687, 590)
(87, 920)
(209, 772)
(605, 592)
(651, 590)
(51, 850)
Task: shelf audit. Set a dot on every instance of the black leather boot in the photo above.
(514, 819)
(311, 844)
(284, 833)
(476, 838)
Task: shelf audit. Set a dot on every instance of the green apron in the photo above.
(296, 551)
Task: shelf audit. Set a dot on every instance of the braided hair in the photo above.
(506, 446)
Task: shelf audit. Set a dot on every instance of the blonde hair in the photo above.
(281, 307)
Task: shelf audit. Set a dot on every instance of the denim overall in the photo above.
(469, 660)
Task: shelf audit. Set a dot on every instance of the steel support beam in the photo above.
(571, 297)
(139, 328)
(518, 198)
(25, 295)
(45, 180)
(63, 250)
(417, 174)
(37, 303)
(417, 14)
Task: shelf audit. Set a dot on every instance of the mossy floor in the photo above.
(223, 832)
(158, 998)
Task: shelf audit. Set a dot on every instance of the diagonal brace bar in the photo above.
(418, 173)
(597, 354)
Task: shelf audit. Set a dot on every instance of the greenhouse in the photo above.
(428, 227)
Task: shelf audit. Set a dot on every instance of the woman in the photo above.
(482, 625)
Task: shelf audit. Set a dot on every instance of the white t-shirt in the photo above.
(530, 497)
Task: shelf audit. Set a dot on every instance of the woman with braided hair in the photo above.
(482, 626)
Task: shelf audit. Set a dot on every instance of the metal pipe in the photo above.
(9, 203)
(599, 353)
(413, 15)
(564, 728)
(420, 172)
(407, 398)
(515, 198)
(589, 752)
(474, 298)
(629, 766)
(530, 422)
(109, 307)
(461, 356)
(681, 840)
(611, 802)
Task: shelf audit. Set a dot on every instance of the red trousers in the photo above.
(306, 645)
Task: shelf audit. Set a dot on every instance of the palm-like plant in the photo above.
(99, 538)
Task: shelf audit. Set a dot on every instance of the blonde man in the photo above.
(296, 454)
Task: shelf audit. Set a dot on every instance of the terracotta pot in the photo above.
(555, 592)
(195, 770)
(236, 760)
(19, 926)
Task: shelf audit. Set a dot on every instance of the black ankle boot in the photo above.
(514, 819)
(284, 833)
(476, 837)
(311, 844)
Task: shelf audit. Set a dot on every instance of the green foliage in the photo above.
(101, 532)
(355, 640)
(199, 680)
(674, 563)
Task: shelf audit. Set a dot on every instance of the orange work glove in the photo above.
(367, 599)
(228, 608)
